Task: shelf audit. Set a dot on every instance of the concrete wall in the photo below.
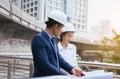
(15, 38)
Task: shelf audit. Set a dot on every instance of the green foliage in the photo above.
(111, 48)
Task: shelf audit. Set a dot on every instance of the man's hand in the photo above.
(77, 72)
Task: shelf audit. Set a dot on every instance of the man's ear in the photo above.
(54, 26)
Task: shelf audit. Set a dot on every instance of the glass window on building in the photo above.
(13, 0)
(84, 6)
(27, 10)
(74, 24)
(83, 16)
(35, 2)
(31, 9)
(24, 1)
(31, 14)
(35, 8)
(78, 20)
(50, 2)
(55, 8)
(27, 5)
(56, 4)
(79, 4)
(78, 25)
(35, 14)
(24, 10)
(24, 6)
(31, 3)
(83, 21)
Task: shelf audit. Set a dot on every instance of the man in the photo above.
(47, 60)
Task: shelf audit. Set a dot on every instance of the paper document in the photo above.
(94, 72)
(108, 75)
(100, 74)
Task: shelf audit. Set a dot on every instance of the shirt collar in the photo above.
(48, 35)
(60, 46)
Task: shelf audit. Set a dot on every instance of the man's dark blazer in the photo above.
(45, 58)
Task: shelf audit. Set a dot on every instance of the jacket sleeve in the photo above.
(41, 58)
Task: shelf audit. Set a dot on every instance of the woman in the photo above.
(67, 50)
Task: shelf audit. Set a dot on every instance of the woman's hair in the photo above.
(61, 36)
(52, 22)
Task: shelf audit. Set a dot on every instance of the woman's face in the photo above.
(67, 37)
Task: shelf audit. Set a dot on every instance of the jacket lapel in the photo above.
(50, 42)
(55, 50)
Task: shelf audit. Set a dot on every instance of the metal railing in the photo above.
(101, 65)
(21, 67)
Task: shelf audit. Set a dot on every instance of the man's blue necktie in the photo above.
(55, 48)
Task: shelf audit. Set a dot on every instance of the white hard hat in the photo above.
(58, 16)
(68, 27)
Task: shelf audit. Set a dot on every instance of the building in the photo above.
(40, 8)
(32, 7)
(17, 3)
(79, 17)
(54, 5)
(76, 10)
(104, 29)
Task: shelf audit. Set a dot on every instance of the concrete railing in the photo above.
(9, 10)
(15, 67)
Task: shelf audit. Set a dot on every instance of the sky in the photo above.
(99, 10)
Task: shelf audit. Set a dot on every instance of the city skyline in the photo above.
(76, 10)
(99, 10)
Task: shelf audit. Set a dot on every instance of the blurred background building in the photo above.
(76, 10)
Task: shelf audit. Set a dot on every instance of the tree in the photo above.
(111, 48)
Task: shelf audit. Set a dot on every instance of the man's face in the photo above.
(57, 30)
